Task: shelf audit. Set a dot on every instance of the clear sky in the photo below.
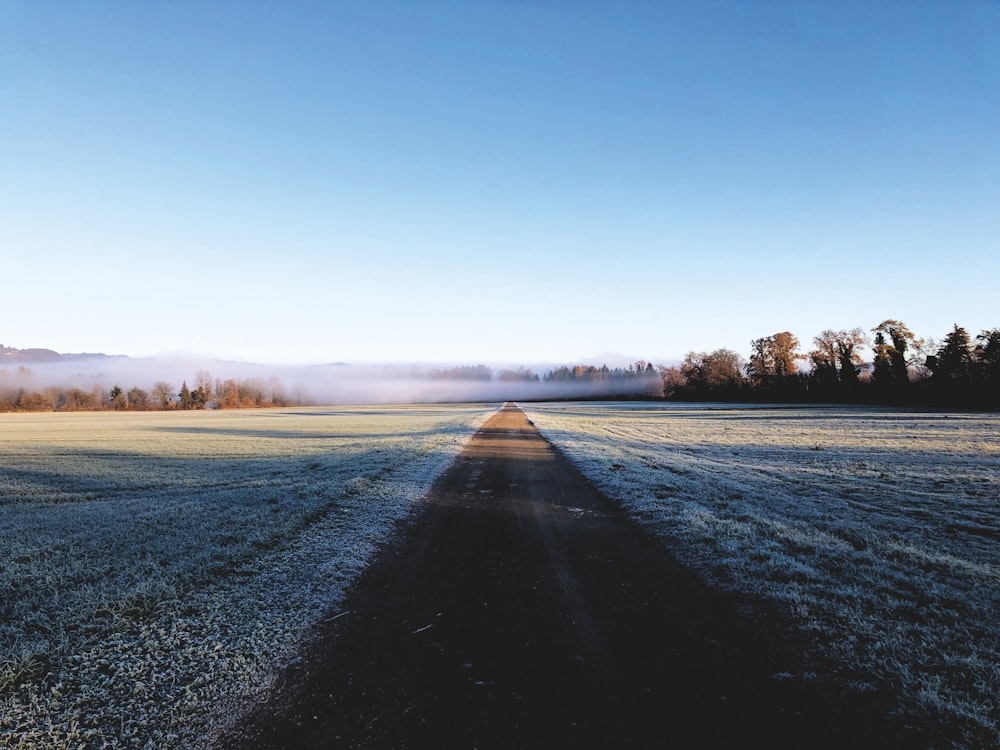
(495, 182)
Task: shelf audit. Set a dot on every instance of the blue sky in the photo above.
(497, 182)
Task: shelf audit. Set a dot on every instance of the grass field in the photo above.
(876, 531)
(157, 566)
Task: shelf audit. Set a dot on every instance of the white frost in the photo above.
(876, 529)
(158, 567)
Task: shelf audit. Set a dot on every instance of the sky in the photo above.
(493, 182)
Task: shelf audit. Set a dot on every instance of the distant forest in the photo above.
(902, 370)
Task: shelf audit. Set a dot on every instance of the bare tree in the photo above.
(138, 399)
(203, 386)
(163, 392)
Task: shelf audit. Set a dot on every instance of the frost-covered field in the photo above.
(155, 567)
(877, 531)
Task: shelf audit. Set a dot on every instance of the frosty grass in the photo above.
(877, 531)
(156, 567)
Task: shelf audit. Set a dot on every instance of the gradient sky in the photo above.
(496, 182)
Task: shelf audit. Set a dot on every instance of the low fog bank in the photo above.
(317, 384)
(428, 390)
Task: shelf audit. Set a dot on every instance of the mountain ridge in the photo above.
(39, 355)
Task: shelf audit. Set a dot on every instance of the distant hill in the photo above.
(10, 355)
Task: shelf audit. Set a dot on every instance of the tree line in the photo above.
(639, 380)
(903, 369)
(204, 393)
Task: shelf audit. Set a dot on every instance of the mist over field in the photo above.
(316, 384)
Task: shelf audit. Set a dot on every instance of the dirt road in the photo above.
(521, 609)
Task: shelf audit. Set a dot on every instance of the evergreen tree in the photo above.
(187, 399)
(954, 358)
(117, 398)
(881, 363)
(986, 368)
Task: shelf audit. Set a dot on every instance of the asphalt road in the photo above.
(520, 608)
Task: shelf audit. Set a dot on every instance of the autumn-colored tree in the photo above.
(824, 359)
(227, 394)
(772, 360)
(836, 357)
(718, 373)
(673, 381)
(34, 401)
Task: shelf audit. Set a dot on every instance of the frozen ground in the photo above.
(157, 566)
(877, 531)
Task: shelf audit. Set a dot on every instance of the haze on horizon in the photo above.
(61, 381)
(493, 182)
